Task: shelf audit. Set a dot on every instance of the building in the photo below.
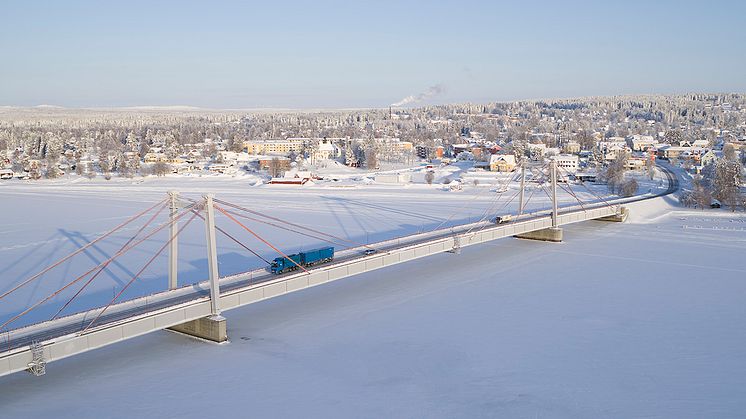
(422, 151)
(502, 162)
(643, 142)
(707, 157)
(405, 177)
(571, 147)
(685, 152)
(284, 147)
(154, 157)
(282, 162)
(537, 150)
(326, 150)
(567, 162)
(636, 163)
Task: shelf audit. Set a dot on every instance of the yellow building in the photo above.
(571, 147)
(502, 163)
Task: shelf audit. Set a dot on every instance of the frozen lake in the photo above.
(644, 318)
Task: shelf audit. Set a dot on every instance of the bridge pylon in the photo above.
(173, 249)
(213, 327)
(553, 233)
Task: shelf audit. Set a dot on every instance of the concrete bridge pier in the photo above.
(551, 234)
(213, 328)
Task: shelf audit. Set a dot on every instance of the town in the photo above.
(591, 139)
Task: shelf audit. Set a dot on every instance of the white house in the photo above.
(566, 162)
(325, 151)
(643, 142)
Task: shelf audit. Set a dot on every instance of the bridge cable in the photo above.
(137, 275)
(600, 198)
(260, 238)
(467, 203)
(121, 252)
(290, 223)
(143, 227)
(234, 239)
(47, 269)
(291, 230)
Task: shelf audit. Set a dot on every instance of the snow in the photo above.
(643, 318)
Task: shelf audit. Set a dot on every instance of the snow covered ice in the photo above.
(637, 319)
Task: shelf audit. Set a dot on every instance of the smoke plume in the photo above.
(427, 94)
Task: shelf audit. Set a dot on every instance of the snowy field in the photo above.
(641, 319)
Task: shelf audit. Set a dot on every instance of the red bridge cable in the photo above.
(235, 240)
(289, 223)
(260, 238)
(143, 227)
(137, 275)
(47, 269)
(337, 242)
(54, 294)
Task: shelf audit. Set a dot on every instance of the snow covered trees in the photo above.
(629, 187)
(371, 158)
(650, 167)
(53, 170)
(429, 177)
(350, 157)
(723, 180)
(275, 167)
(699, 196)
(614, 173)
(161, 168)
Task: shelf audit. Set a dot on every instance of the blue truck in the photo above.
(309, 258)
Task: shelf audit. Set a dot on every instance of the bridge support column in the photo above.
(619, 217)
(212, 256)
(521, 203)
(553, 174)
(173, 249)
(213, 327)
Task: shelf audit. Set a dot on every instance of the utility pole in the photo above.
(173, 249)
(212, 255)
(523, 187)
(553, 169)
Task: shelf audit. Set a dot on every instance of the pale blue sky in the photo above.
(230, 54)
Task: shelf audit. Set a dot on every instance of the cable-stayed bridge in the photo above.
(196, 309)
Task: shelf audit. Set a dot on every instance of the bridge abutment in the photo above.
(619, 217)
(552, 234)
(212, 328)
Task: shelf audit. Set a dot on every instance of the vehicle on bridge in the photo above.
(309, 258)
(501, 219)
